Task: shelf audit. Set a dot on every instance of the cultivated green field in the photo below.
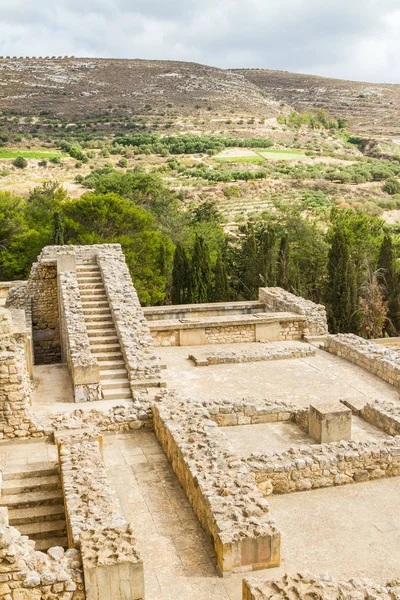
(28, 154)
(282, 154)
(240, 159)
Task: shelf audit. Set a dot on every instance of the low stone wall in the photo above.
(76, 352)
(5, 287)
(323, 587)
(112, 564)
(250, 412)
(278, 300)
(385, 415)
(266, 352)
(29, 575)
(227, 330)
(379, 360)
(213, 309)
(325, 465)
(219, 486)
(132, 328)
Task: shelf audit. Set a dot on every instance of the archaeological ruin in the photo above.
(219, 451)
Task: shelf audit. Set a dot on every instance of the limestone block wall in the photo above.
(278, 300)
(219, 486)
(249, 412)
(379, 360)
(132, 329)
(111, 560)
(325, 465)
(29, 575)
(42, 289)
(385, 415)
(16, 419)
(320, 587)
(76, 351)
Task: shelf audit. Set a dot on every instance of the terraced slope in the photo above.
(371, 109)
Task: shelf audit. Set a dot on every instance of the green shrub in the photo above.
(20, 162)
(392, 186)
(42, 163)
(123, 162)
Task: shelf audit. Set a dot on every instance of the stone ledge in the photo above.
(268, 351)
(206, 322)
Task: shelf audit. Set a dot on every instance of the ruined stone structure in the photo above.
(79, 313)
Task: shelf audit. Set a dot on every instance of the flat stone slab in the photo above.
(266, 351)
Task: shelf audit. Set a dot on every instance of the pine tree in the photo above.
(283, 263)
(390, 287)
(180, 276)
(340, 285)
(58, 229)
(221, 285)
(200, 280)
(268, 257)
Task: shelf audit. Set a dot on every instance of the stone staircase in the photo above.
(35, 503)
(103, 337)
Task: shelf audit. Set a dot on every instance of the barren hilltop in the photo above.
(76, 87)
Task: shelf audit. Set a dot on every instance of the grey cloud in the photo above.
(357, 39)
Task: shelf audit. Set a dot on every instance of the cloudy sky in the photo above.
(353, 39)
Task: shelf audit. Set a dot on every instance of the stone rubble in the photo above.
(29, 575)
(322, 587)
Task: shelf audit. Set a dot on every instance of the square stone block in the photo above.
(192, 337)
(330, 422)
(267, 332)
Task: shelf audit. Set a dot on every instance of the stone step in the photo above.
(99, 342)
(112, 373)
(101, 348)
(99, 325)
(91, 286)
(108, 356)
(34, 514)
(33, 470)
(101, 304)
(111, 365)
(97, 310)
(33, 499)
(117, 394)
(38, 531)
(115, 384)
(98, 334)
(90, 294)
(146, 383)
(89, 276)
(26, 485)
(44, 545)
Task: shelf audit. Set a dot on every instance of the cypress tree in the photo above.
(268, 257)
(340, 285)
(180, 276)
(250, 267)
(221, 285)
(58, 229)
(283, 263)
(390, 289)
(200, 280)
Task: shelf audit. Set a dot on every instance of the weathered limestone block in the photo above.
(330, 422)
(267, 351)
(112, 565)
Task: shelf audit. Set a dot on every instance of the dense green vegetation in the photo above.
(186, 256)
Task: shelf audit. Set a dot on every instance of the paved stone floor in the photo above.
(315, 379)
(278, 437)
(24, 452)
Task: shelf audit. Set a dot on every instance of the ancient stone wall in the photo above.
(250, 412)
(278, 300)
(325, 465)
(385, 415)
(16, 419)
(379, 360)
(42, 289)
(265, 352)
(219, 486)
(29, 575)
(322, 587)
(111, 561)
(82, 365)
